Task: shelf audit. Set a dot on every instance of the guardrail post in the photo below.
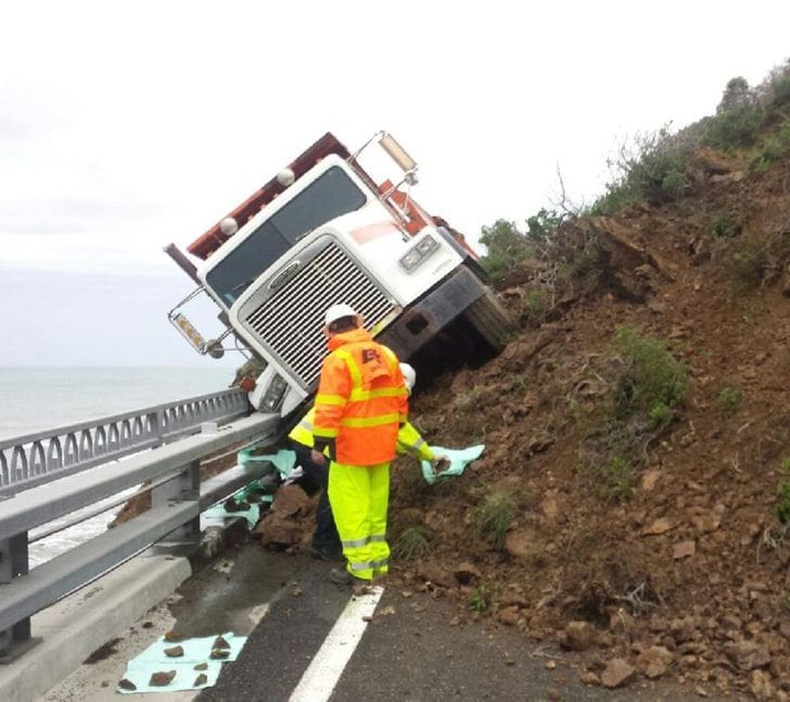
(14, 563)
(185, 487)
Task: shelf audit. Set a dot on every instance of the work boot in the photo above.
(326, 554)
(343, 577)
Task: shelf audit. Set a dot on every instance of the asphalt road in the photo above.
(410, 648)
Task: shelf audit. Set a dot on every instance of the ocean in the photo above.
(36, 399)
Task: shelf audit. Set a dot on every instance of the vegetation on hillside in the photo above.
(658, 168)
(636, 478)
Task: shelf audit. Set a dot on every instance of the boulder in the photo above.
(618, 672)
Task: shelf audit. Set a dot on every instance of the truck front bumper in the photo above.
(426, 317)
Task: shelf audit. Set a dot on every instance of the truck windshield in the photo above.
(329, 196)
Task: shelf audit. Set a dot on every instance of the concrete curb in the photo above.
(81, 623)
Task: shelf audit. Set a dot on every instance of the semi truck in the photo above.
(321, 231)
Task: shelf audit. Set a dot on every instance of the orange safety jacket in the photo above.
(409, 439)
(362, 400)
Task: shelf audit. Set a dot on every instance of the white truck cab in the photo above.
(322, 232)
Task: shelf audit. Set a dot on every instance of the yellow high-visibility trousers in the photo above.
(359, 496)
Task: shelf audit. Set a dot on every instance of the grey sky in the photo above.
(125, 126)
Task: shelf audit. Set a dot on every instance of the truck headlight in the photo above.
(418, 253)
(411, 260)
(274, 394)
(427, 245)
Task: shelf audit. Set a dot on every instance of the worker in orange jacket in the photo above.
(326, 544)
(361, 403)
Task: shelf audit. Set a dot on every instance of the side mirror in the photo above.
(214, 348)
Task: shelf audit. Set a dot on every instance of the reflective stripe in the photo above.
(369, 421)
(335, 400)
(356, 377)
(389, 352)
(357, 391)
(357, 543)
(410, 441)
(325, 433)
(360, 566)
(362, 398)
(380, 564)
(361, 542)
(306, 425)
(358, 394)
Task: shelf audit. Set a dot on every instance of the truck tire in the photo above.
(491, 321)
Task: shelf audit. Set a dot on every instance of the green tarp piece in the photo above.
(196, 652)
(252, 515)
(459, 459)
(284, 460)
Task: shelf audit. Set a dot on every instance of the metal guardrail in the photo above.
(27, 461)
(177, 499)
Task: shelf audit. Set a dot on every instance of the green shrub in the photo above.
(659, 415)
(648, 386)
(493, 518)
(723, 228)
(617, 198)
(660, 176)
(654, 168)
(480, 599)
(506, 246)
(783, 505)
(619, 480)
(748, 266)
(761, 256)
(774, 149)
(651, 379)
(412, 544)
(739, 118)
(537, 304)
(729, 400)
(779, 86)
(736, 128)
(543, 225)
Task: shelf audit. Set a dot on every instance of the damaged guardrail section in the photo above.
(177, 499)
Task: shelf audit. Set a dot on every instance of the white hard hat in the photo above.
(338, 311)
(409, 375)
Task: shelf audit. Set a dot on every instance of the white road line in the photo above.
(321, 676)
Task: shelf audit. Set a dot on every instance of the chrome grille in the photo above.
(290, 321)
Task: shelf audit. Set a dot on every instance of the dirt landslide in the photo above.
(647, 543)
(658, 547)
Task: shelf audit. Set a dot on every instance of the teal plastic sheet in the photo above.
(284, 460)
(252, 515)
(459, 459)
(197, 652)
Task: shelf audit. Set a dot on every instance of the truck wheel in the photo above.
(491, 320)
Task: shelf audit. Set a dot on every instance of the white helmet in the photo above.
(338, 311)
(409, 376)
